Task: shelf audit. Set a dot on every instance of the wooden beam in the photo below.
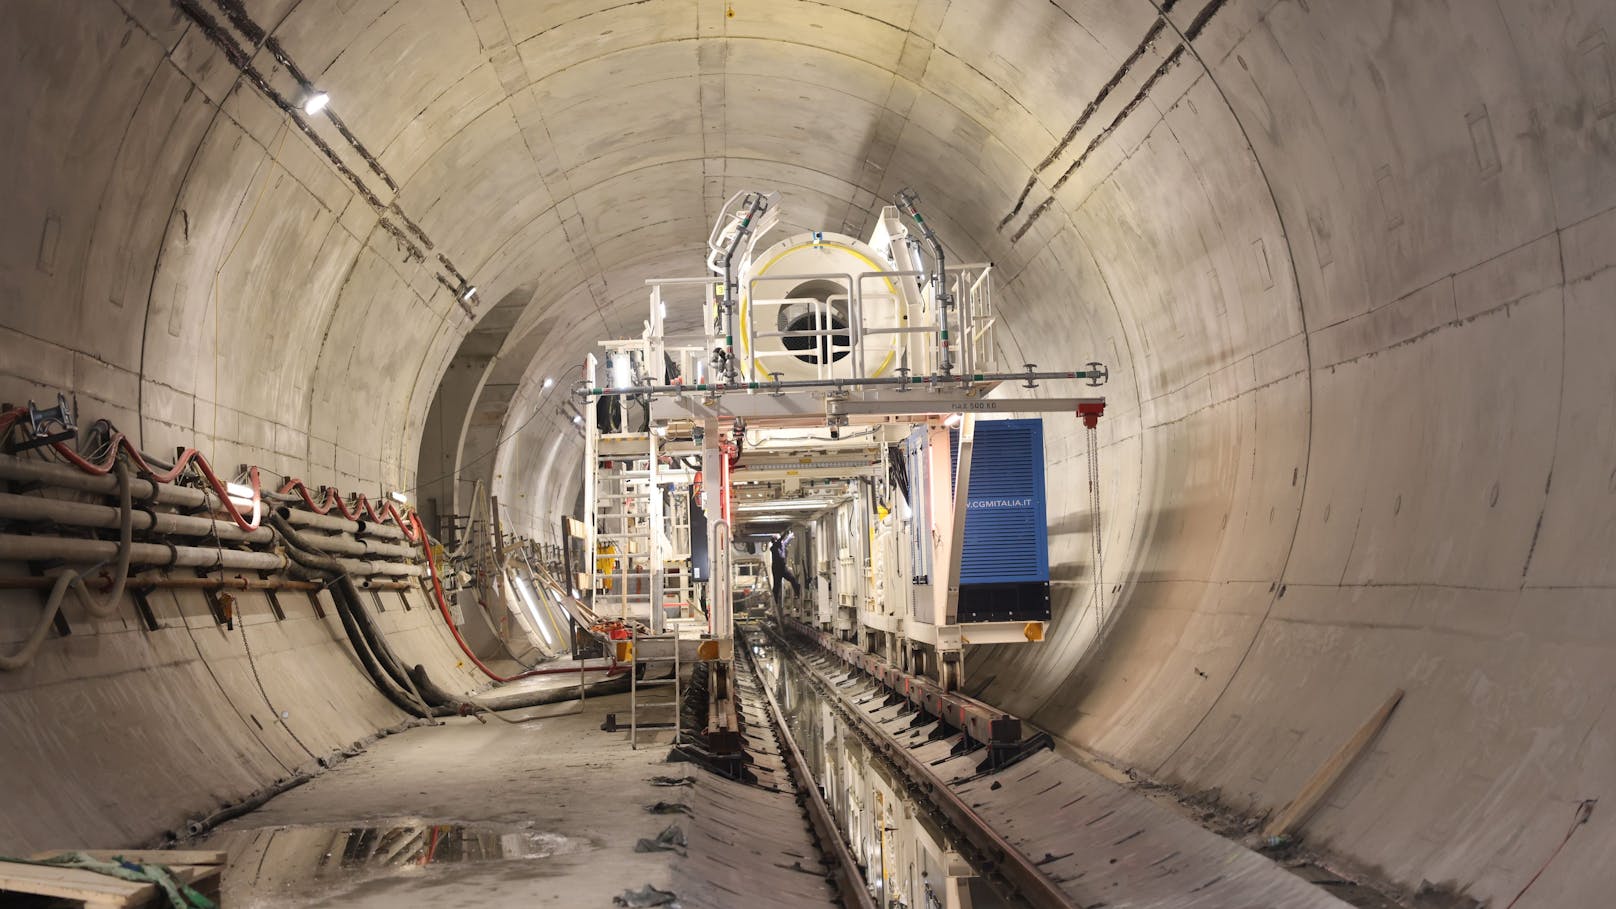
(168, 857)
(1326, 776)
(74, 884)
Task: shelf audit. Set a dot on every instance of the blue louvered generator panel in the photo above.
(1004, 569)
(1006, 525)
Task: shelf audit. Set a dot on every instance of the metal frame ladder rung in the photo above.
(635, 704)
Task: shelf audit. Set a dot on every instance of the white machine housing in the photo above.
(821, 305)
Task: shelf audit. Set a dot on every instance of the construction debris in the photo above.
(649, 896)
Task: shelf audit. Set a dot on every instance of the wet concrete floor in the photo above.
(545, 813)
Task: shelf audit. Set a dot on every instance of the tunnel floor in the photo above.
(562, 797)
(549, 810)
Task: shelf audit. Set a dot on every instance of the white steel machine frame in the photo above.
(877, 350)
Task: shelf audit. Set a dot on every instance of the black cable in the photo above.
(383, 676)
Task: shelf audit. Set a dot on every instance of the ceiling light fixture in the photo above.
(548, 381)
(315, 103)
(526, 594)
(468, 293)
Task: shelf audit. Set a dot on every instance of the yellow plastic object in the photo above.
(625, 651)
(1034, 631)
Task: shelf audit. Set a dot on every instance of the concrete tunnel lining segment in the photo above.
(1349, 264)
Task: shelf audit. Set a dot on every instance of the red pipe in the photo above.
(332, 498)
(443, 607)
(410, 524)
(118, 440)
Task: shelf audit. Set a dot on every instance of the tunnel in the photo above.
(1344, 264)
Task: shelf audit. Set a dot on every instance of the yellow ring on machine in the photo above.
(746, 301)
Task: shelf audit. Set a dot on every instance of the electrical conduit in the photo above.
(100, 608)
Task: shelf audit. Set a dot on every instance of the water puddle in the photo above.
(906, 858)
(349, 865)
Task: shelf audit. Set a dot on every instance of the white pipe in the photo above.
(362, 568)
(98, 607)
(23, 548)
(373, 549)
(25, 471)
(22, 470)
(299, 518)
(84, 514)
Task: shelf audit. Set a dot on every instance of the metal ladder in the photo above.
(678, 587)
(622, 520)
(635, 704)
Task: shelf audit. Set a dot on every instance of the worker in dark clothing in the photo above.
(777, 564)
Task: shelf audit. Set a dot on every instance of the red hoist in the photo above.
(1091, 411)
(731, 453)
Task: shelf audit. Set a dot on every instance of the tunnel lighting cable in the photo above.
(117, 443)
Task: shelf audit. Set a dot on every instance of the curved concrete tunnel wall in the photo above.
(1349, 264)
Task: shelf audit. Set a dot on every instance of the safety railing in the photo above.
(868, 324)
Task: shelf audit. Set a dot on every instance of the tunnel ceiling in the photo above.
(561, 147)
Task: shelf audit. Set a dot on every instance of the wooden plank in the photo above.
(146, 856)
(73, 884)
(1330, 771)
(197, 876)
